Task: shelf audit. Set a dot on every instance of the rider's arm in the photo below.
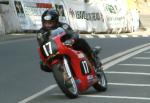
(70, 33)
(42, 36)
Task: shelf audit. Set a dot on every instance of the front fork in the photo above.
(65, 61)
(69, 79)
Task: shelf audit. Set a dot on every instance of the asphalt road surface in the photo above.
(128, 74)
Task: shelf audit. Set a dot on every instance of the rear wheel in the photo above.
(101, 84)
(65, 80)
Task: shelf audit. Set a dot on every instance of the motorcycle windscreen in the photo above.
(57, 31)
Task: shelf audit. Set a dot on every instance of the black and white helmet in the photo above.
(50, 15)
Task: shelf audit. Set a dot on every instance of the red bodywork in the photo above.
(83, 81)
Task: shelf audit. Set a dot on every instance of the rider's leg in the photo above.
(81, 44)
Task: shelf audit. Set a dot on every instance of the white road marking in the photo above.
(123, 53)
(135, 36)
(108, 65)
(113, 36)
(101, 36)
(108, 97)
(141, 58)
(127, 84)
(145, 35)
(89, 36)
(127, 73)
(38, 94)
(20, 34)
(124, 36)
(138, 65)
(117, 97)
(147, 52)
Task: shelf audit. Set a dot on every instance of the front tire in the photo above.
(67, 85)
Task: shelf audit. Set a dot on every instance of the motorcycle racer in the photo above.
(50, 22)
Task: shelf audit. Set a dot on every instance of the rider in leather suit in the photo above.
(50, 22)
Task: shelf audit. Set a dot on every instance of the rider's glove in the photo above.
(69, 42)
(42, 37)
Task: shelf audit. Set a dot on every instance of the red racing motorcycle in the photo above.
(72, 70)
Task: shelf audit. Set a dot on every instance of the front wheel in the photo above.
(101, 84)
(65, 79)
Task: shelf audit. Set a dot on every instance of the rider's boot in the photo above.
(96, 61)
(95, 58)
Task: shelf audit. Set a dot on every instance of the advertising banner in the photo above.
(2, 28)
(115, 13)
(60, 7)
(96, 18)
(76, 13)
(91, 16)
(29, 12)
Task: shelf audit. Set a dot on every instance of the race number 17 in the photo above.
(47, 48)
